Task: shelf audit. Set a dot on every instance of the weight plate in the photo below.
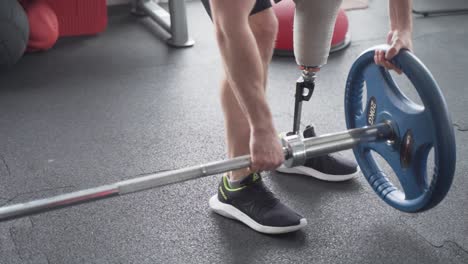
(418, 129)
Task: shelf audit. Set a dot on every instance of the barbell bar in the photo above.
(295, 154)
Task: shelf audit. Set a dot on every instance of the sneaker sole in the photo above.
(231, 212)
(303, 170)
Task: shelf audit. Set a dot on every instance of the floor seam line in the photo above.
(429, 242)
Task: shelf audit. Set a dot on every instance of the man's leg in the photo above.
(246, 45)
(264, 26)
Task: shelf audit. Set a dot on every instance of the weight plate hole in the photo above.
(364, 97)
(385, 167)
(430, 167)
(407, 88)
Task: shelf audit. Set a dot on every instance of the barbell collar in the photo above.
(304, 149)
(297, 151)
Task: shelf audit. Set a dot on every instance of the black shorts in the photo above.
(259, 6)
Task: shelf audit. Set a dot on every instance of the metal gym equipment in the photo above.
(174, 22)
(389, 123)
(430, 7)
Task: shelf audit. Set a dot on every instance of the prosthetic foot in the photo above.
(313, 28)
(331, 167)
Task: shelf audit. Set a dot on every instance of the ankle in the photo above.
(238, 175)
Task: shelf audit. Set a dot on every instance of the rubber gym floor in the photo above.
(96, 110)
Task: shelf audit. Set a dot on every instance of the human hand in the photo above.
(397, 40)
(265, 149)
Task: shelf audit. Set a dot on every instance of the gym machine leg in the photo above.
(174, 22)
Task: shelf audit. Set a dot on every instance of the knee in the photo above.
(266, 30)
(230, 14)
(229, 24)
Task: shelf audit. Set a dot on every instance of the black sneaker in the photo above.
(254, 205)
(331, 167)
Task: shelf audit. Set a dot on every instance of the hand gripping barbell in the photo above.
(389, 123)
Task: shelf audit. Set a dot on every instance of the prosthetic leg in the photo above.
(314, 22)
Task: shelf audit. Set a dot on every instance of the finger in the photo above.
(393, 50)
(387, 65)
(271, 164)
(391, 66)
(280, 161)
(254, 166)
(262, 165)
(398, 70)
(377, 57)
(391, 53)
(389, 37)
(380, 58)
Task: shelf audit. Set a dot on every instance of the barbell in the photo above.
(389, 123)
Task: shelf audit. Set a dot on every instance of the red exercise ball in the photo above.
(341, 37)
(43, 23)
(284, 11)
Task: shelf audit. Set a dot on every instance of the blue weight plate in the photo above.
(418, 129)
